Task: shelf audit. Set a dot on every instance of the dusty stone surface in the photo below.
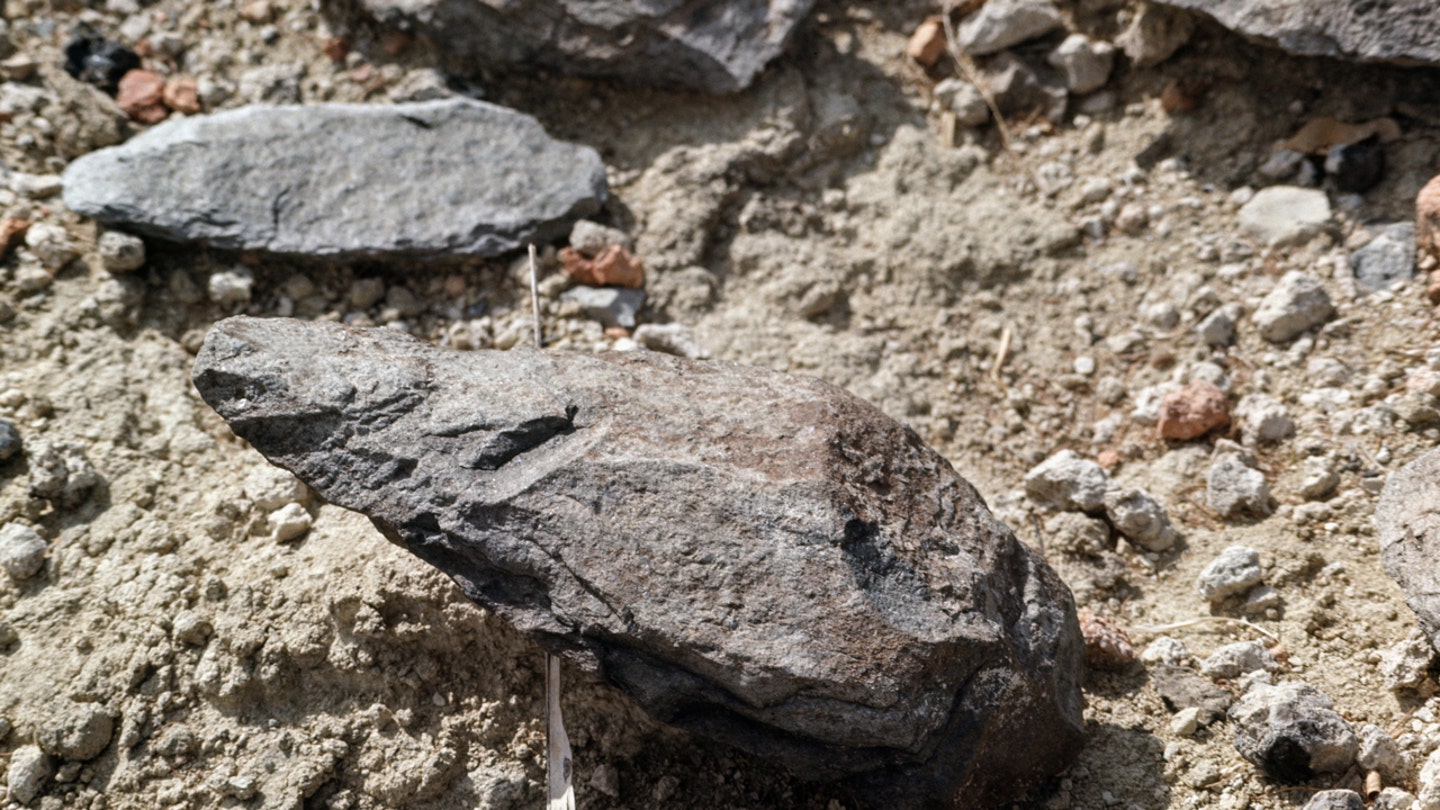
(443, 179)
(999, 24)
(1068, 481)
(22, 551)
(1408, 521)
(1291, 731)
(1298, 302)
(692, 44)
(1283, 215)
(848, 659)
(1405, 31)
(76, 732)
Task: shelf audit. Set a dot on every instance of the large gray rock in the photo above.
(762, 559)
(688, 44)
(1292, 732)
(1408, 521)
(431, 179)
(999, 24)
(1402, 31)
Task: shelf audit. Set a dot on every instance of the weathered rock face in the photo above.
(432, 179)
(1408, 520)
(688, 44)
(762, 559)
(1402, 31)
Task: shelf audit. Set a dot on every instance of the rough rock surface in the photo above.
(430, 179)
(999, 24)
(1402, 31)
(854, 627)
(1292, 732)
(714, 47)
(1297, 303)
(1408, 522)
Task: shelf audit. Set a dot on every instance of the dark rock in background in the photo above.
(695, 45)
(95, 60)
(761, 559)
(1401, 31)
(425, 180)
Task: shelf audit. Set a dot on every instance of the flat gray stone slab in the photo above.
(427, 180)
(1408, 522)
(687, 44)
(1401, 31)
(762, 559)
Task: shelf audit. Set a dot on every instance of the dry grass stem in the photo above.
(1156, 629)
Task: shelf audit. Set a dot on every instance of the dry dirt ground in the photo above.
(815, 223)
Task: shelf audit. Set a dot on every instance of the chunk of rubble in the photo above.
(877, 626)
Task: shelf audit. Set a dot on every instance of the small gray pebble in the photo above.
(30, 768)
(121, 252)
(22, 551)
(1235, 571)
(1335, 800)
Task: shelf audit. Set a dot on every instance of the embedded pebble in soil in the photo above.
(1291, 731)
(1234, 572)
(1233, 660)
(1297, 303)
(22, 551)
(1067, 481)
(1234, 488)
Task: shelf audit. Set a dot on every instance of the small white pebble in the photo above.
(289, 522)
(1186, 721)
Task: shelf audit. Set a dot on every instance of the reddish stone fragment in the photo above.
(1193, 411)
(141, 96)
(258, 11)
(336, 48)
(1432, 292)
(1106, 644)
(1427, 219)
(613, 266)
(927, 44)
(11, 232)
(182, 95)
